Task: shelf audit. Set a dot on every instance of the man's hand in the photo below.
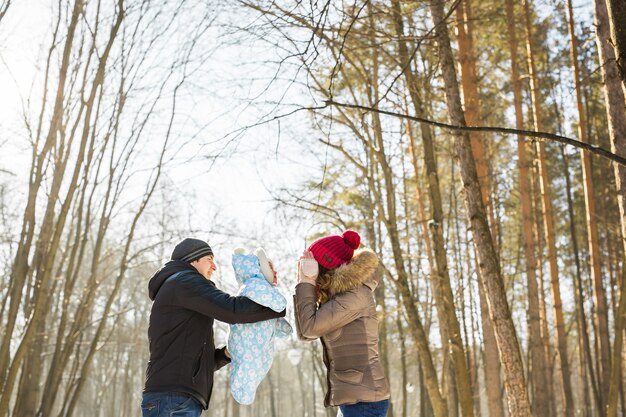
(308, 269)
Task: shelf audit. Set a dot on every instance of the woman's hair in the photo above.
(322, 270)
(323, 280)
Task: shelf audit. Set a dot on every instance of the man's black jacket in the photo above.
(182, 352)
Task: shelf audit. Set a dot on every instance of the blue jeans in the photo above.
(375, 409)
(169, 404)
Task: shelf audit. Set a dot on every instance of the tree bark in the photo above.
(548, 224)
(537, 364)
(617, 17)
(50, 236)
(472, 107)
(20, 267)
(440, 278)
(493, 383)
(419, 336)
(584, 347)
(592, 226)
(471, 102)
(607, 33)
(611, 408)
(506, 335)
(403, 362)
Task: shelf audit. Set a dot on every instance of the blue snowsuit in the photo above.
(251, 346)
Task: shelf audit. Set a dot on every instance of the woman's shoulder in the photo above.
(355, 298)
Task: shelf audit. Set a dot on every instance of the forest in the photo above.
(478, 147)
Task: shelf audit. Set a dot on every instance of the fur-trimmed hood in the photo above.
(362, 269)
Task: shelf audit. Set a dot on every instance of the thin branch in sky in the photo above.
(539, 135)
(4, 6)
(343, 42)
(416, 48)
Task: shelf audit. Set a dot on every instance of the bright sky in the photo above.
(236, 185)
(234, 188)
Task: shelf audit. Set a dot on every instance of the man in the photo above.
(183, 357)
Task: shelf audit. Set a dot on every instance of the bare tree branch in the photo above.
(508, 131)
(4, 6)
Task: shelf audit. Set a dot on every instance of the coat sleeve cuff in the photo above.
(297, 313)
(220, 358)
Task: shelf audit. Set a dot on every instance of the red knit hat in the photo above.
(333, 251)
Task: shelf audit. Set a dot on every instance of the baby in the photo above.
(251, 346)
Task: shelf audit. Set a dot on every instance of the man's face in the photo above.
(205, 266)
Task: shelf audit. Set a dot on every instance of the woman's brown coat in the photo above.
(347, 324)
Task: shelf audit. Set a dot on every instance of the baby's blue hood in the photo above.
(246, 266)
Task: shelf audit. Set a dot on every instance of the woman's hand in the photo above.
(308, 269)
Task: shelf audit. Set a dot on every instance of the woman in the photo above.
(334, 301)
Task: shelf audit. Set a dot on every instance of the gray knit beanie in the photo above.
(190, 250)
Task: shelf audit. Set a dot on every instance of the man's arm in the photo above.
(198, 294)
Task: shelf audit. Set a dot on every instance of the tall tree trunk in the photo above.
(419, 200)
(66, 343)
(418, 333)
(380, 295)
(426, 408)
(51, 245)
(548, 224)
(592, 226)
(541, 190)
(506, 335)
(448, 384)
(543, 315)
(493, 384)
(616, 380)
(388, 206)
(537, 365)
(617, 17)
(383, 336)
(472, 107)
(471, 102)
(441, 277)
(28, 401)
(403, 362)
(615, 101)
(583, 333)
(20, 267)
(70, 405)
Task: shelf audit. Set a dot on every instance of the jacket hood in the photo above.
(166, 271)
(362, 269)
(246, 266)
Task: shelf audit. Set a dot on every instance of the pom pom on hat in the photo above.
(333, 251)
(352, 239)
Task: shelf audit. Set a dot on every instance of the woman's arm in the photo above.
(314, 322)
